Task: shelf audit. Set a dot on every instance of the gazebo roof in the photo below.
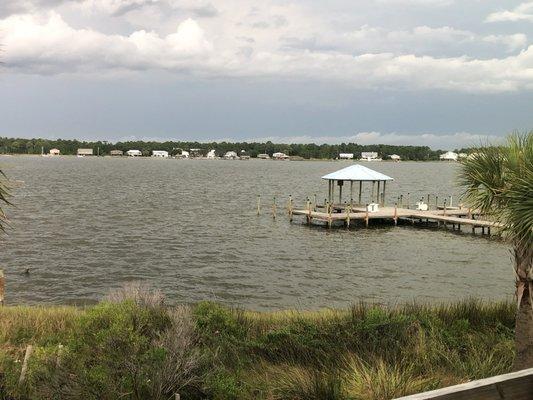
(357, 172)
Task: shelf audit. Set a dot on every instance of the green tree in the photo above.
(499, 183)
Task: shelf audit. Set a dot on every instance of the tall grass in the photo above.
(134, 346)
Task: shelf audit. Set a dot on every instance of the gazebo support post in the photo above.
(351, 194)
(340, 193)
(384, 187)
(373, 191)
(360, 191)
(378, 197)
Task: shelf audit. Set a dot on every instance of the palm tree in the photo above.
(499, 183)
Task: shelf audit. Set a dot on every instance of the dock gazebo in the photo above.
(356, 173)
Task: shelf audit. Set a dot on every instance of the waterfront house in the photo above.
(160, 153)
(449, 156)
(263, 156)
(85, 152)
(346, 156)
(211, 155)
(280, 156)
(369, 156)
(134, 153)
(116, 153)
(231, 155)
(55, 152)
(395, 157)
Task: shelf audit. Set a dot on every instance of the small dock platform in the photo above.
(348, 215)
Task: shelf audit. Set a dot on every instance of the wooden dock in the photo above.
(330, 215)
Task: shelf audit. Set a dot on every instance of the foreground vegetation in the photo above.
(310, 150)
(133, 346)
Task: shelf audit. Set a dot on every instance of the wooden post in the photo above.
(401, 201)
(451, 201)
(384, 192)
(366, 216)
(469, 213)
(428, 201)
(373, 190)
(408, 200)
(314, 205)
(308, 207)
(444, 209)
(360, 191)
(24, 369)
(274, 208)
(290, 208)
(395, 213)
(347, 211)
(436, 202)
(340, 192)
(330, 208)
(379, 194)
(351, 192)
(2, 287)
(258, 204)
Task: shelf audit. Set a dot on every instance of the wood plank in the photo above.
(515, 385)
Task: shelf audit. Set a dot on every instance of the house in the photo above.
(449, 156)
(55, 152)
(395, 157)
(134, 153)
(185, 154)
(280, 156)
(263, 156)
(116, 153)
(369, 156)
(244, 155)
(211, 155)
(346, 156)
(85, 152)
(231, 155)
(160, 153)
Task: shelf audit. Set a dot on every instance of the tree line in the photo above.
(307, 151)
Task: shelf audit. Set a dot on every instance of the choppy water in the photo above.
(189, 228)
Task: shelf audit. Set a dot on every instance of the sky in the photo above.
(442, 73)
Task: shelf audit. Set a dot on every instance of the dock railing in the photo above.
(513, 386)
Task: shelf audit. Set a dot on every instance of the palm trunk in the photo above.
(524, 316)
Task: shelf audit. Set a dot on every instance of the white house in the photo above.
(346, 156)
(160, 153)
(369, 156)
(211, 155)
(185, 154)
(55, 152)
(449, 156)
(231, 155)
(85, 152)
(134, 153)
(263, 156)
(395, 157)
(280, 156)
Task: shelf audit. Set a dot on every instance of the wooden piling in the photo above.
(24, 369)
(347, 211)
(2, 287)
(274, 208)
(408, 200)
(330, 210)
(258, 204)
(395, 214)
(290, 208)
(366, 216)
(436, 202)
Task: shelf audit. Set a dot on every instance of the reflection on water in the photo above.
(189, 227)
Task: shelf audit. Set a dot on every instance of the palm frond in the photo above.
(498, 181)
(4, 194)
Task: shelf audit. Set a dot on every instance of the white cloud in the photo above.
(267, 39)
(435, 141)
(523, 12)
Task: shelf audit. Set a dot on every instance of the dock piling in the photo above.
(274, 208)
(258, 204)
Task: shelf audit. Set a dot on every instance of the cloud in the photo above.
(523, 12)
(435, 141)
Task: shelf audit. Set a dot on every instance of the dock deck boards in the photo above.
(453, 216)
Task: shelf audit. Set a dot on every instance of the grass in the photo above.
(135, 347)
